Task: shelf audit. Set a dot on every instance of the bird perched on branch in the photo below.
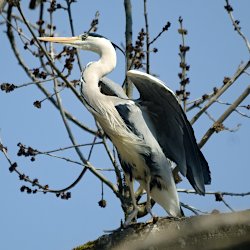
(149, 133)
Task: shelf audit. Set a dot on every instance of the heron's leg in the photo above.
(148, 203)
(139, 192)
(134, 213)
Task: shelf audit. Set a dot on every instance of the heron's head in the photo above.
(85, 41)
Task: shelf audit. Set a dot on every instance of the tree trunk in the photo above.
(206, 232)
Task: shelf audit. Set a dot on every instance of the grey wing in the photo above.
(108, 87)
(171, 128)
(134, 120)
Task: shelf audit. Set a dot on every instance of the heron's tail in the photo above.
(167, 197)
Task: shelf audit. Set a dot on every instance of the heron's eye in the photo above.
(84, 36)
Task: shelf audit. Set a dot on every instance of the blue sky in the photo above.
(45, 222)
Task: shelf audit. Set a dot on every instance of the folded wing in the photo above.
(170, 126)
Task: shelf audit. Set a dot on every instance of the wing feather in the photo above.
(108, 87)
(171, 128)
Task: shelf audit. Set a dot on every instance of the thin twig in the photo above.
(209, 116)
(61, 158)
(224, 116)
(227, 205)
(184, 80)
(33, 82)
(94, 23)
(18, 30)
(69, 147)
(197, 102)
(196, 211)
(26, 69)
(221, 91)
(79, 97)
(236, 26)
(147, 38)
(36, 27)
(236, 110)
(242, 114)
(228, 104)
(192, 191)
(31, 181)
(112, 159)
(224, 128)
(92, 147)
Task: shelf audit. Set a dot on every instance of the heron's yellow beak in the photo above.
(63, 40)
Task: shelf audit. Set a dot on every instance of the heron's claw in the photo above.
(131, 216)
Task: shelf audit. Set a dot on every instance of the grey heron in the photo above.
(150, 134)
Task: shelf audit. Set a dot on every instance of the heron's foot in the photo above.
(149, 210)
(153, 219)
(131, 216)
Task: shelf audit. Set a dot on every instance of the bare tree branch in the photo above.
(27, 71)
(147, 38)
(236, 24)
(196, 211)
(128, 37)
(184, 80)
(236, 110)
(73, 30)
(224, 116)
(192, 191)
(221, 91)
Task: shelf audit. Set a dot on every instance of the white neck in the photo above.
(96, 70)
(107, 62)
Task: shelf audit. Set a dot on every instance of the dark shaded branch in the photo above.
(165, 28)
